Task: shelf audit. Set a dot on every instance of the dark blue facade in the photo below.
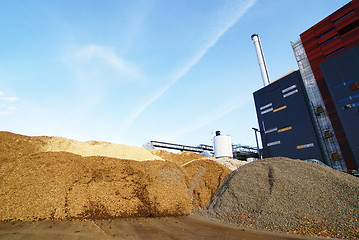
(341, 74)
(285, 120)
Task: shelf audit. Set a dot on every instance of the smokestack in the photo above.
(262, 64)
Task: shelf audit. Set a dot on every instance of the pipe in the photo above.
(262, 64)
(255, 133)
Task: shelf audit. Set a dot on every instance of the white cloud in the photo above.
(9, 99)
(4, 104)
(87, 54)
(234, 13)
(96, 69)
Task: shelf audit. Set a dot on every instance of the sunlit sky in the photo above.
(132, 71)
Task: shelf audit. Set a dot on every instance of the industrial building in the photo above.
(285, 121)
(328, 59)
(328, 87)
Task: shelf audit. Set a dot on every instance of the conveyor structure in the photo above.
(240, 152)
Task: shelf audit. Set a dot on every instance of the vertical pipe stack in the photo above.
(261, 60)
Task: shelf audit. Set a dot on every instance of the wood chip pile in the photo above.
(204, 179)
(292, 196)
(41, 181)
(96, 148)
(179, 158)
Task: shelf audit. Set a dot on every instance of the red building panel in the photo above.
(315, 53)
(343, 11)
(311, 46)
(332, 46)
(355, 4)
(307, 36)
(348, 19)
(329, 35)
(322, 27)
(351, 39)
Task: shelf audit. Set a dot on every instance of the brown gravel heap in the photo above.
(60, 185)
(292, 196)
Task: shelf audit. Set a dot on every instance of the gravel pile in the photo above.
(292, 196)
(36, 184)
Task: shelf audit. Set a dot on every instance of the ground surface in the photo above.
(186, 227)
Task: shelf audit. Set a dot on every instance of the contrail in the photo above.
(202, 51)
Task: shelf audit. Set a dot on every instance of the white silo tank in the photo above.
(222, 145)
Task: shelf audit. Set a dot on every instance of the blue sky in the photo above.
(134, 71)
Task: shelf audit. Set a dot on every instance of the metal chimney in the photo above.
(262, 64)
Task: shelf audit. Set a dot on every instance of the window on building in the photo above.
(328, 40)
(330, 30)
(349, 27)
(354, 86)
(337, 20)
(344, 83)
(334, 52)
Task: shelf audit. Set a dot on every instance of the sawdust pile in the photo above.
(37, 184)
(291, 196)
(14, 145)
(96, 148)
(204, 179)
(230, 163)
(64, 186)
(179, 158)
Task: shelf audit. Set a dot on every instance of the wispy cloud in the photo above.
(88, 54)
(232, 15)
(136, 23)
(9, 99)
(4, 98)
(5, 108)
(96, 69)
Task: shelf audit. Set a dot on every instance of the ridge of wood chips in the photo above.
(43, 178)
